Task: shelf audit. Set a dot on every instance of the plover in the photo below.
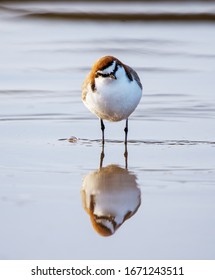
(112, 91)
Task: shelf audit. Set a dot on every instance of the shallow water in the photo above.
(169, 202)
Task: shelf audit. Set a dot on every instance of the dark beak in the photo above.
(112, 76)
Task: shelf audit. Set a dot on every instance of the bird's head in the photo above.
(107, 68)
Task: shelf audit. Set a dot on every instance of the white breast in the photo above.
(114, 100)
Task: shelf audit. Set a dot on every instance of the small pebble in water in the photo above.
(72, 139)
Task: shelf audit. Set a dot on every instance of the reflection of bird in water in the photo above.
(110, 196)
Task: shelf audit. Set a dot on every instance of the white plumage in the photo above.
(112, 90)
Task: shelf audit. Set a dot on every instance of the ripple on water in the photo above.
(82, 141)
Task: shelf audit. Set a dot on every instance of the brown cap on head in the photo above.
(104, 62)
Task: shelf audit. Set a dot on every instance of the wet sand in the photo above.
(169, 204)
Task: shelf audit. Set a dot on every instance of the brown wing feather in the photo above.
(84, 87)
(134, 75)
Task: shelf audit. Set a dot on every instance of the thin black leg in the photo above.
(102, 156)
(126, 149)
(126, 156)
(103, 131)
(103, 142)
(126, 131)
